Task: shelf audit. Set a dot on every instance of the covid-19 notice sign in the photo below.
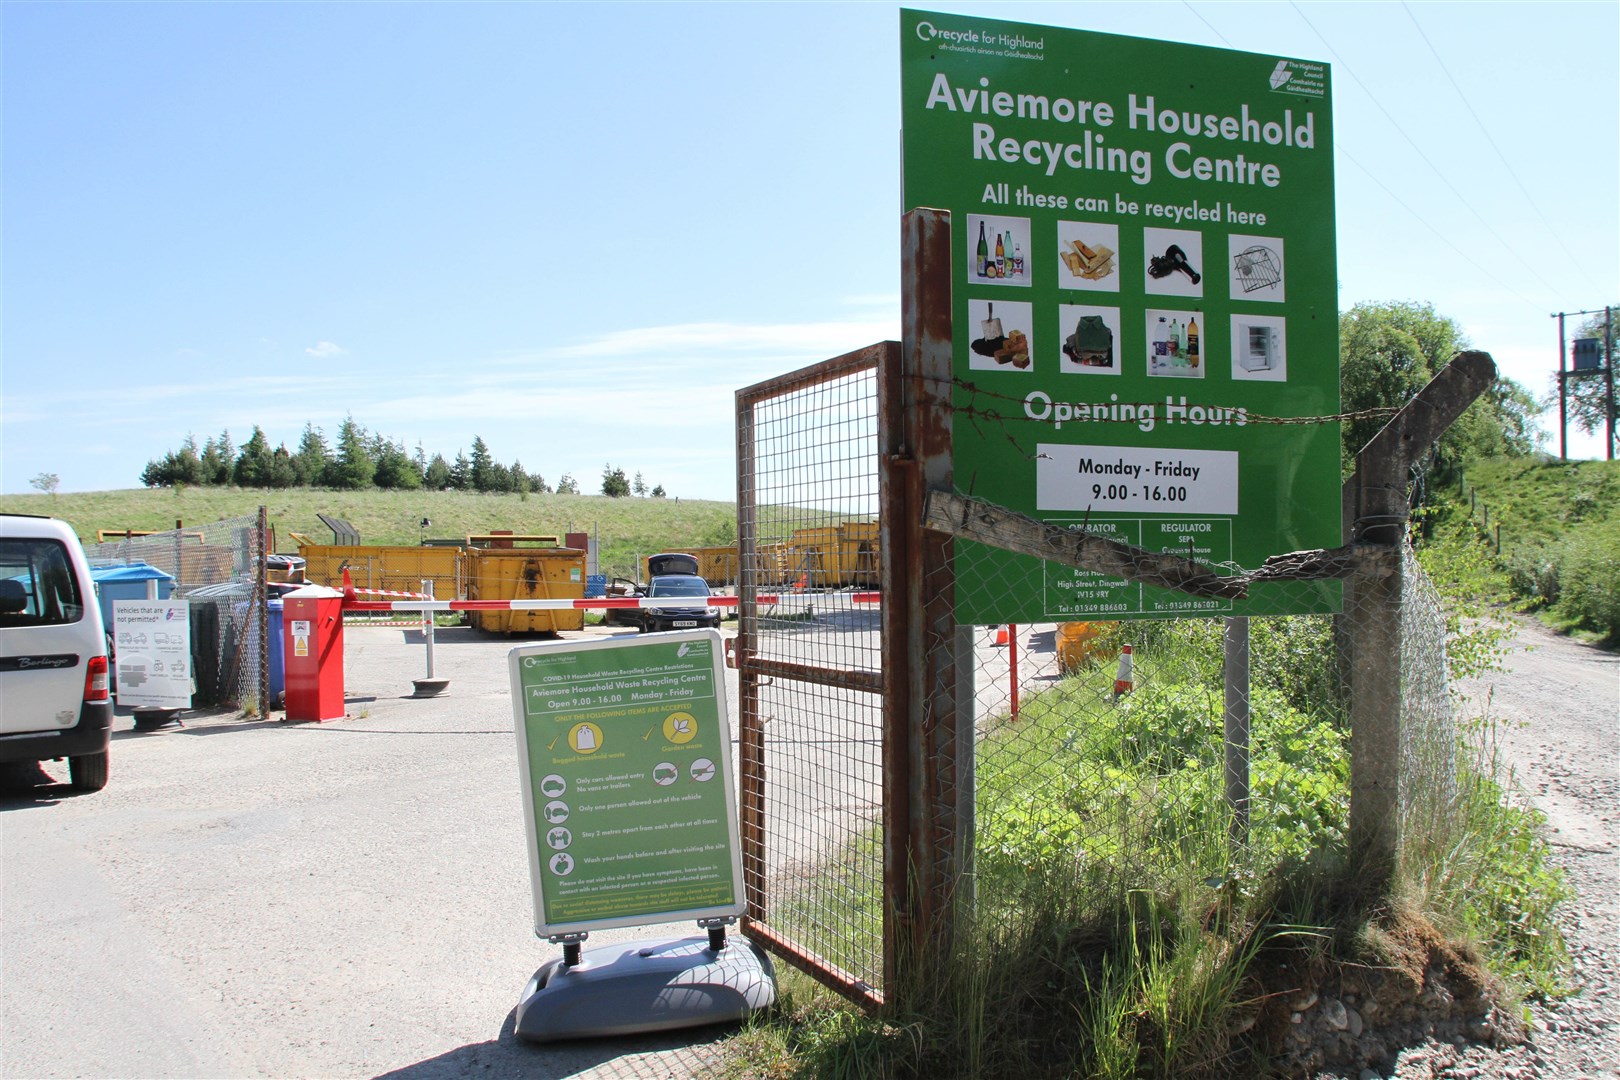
(1145, 302)
(624, 751)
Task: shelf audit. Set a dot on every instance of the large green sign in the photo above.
(624, 747)
(1145, 302)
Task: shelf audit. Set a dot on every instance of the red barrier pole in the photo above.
(1012, 664)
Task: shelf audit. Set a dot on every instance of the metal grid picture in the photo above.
(1257, 268)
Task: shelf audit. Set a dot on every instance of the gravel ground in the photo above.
(1558, 705)
(232, 905)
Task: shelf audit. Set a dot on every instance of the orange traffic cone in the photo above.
(1001, 635)
(1123, 677)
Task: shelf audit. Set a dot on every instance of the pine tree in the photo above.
(253, 466)
(353, 469)
(483, 467)
(437, 475)
(395, 469)
(283, 474)
(614, 485)
(188, 466)
(216, 467)
(313, 457)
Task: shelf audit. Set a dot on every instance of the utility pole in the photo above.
(1563, 401)
(1606, 369)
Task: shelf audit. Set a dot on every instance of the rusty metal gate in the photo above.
(885, 776)
(809, 667)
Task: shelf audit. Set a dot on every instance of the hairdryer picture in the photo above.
(1173, 259)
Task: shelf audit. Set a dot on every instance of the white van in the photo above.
(54, 698)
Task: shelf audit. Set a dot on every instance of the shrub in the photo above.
(1589, 580)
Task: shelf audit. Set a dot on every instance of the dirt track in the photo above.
(1558, 713)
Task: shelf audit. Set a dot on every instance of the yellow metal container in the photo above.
(717, 565)
(388, 568)
(859, 553)
(515, 573)
(203, 564)
(775, 562)
(191, 561)
(819, 559)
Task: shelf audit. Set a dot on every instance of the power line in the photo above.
(1519, 259)
(1199, 15)
(1574, 260)
(1425, 223)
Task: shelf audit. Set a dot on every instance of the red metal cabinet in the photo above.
(312, 639)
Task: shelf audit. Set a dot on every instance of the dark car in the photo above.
(620, 588)
(683, 617)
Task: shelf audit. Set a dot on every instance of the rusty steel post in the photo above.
(927, 756)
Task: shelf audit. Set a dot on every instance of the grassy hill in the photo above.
(1537, 500)
(1559, 524)
(626, 528)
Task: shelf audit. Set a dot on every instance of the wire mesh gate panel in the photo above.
(809, 679)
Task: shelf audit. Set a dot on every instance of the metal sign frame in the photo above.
(625, 829)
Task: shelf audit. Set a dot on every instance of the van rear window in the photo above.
(37, 585)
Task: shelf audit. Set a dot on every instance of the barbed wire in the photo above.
(1382, 412)
(1113, 412)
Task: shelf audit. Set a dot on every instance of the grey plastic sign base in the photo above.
(644, 986)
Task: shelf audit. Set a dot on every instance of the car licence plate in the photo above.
(683, 622)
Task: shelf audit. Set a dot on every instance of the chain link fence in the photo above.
(1170, 767)
(1220, 749)
(1430, 735)
(216, 568)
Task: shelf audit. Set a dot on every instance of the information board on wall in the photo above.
(624, 749)
(152, 643)
(1144, 301)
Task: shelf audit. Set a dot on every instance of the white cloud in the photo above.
(659, 399)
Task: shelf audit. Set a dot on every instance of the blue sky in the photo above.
(576, 230)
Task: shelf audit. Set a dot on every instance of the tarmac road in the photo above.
(263, 899)
(349, 899)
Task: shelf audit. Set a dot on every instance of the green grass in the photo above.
(1559, 529)
(1536, 500)
(1114, 933)
(626, 528)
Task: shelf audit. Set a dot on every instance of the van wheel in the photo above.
(88, 772)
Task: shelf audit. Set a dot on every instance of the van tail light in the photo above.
(95, 680)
